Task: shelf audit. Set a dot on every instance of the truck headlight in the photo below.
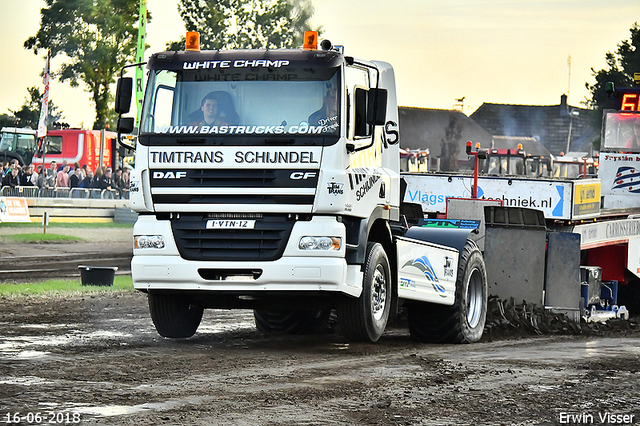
(320, 243)
(148, 241)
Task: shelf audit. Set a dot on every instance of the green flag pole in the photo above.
(142, 32)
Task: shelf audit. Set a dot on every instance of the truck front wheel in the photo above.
(463, 322)
(365, 318)
(173, 315)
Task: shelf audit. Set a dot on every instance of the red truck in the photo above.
(78, 146)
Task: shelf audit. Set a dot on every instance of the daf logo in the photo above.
(169, 175)
(302, 175)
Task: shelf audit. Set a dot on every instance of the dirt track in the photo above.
(34, 262)
(101, 358)
(98, 360)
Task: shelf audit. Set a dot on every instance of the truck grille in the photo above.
(266, 242)
(250, 186)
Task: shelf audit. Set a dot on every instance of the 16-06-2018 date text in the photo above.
(41, 417)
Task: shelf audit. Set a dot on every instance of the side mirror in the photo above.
(123, 95)
(377, 108)
(125, 124)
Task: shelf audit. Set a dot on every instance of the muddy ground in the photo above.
(97, 360)
(100, 359)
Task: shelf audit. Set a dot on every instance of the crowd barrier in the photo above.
(91, 193)
(74, 204)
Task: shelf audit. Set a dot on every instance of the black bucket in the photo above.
(97, 275)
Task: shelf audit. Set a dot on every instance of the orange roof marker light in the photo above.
(310, 40)
(193, 41)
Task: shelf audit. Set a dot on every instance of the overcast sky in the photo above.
(495, 51)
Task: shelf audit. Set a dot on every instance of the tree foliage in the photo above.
(29, 114)
(7, 120)
(245, 24)
(97, 36)
(621, 65)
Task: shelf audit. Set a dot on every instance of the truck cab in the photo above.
(17, 143)
(270, 180)
(78, 146)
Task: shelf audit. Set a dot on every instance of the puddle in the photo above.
(25, 381)
(121, 410)
(226, 327)
(48, 326)
(557, 352)
(24, 347)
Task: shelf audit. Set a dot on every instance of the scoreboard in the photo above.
(627, 99)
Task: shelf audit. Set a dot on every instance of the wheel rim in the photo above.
(378, 293)
(474, 298)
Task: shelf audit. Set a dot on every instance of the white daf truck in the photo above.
(287, 200)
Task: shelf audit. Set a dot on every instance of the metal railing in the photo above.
(92, 193)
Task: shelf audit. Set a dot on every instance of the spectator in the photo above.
(11, 178)
(61, 166)
(37, 177)
(118, 182)
(97, 175)
(25, 179)
(87, 181)
(75, 178)
(5, 167)
(62, 180)
(50, 180)
(105, 180)
(125, 179)
(16, 164)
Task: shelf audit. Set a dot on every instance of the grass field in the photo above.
(65, 225)
(63, 287)
(37, 238)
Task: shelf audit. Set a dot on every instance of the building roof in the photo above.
(548, 124)
(444, 132)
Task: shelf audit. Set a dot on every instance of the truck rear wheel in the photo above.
(173, 315)
(365, 318)
(463, 322)
(292, 322)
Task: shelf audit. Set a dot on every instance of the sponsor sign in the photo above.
(608, 232)
(426, 272)
(302, 129)
(234, 157)
(620, 176)
(586, 199)
(554, 198)
(633, 256)
(14, 209)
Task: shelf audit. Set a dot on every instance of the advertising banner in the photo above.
(14, 209)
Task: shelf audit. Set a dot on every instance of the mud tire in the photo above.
(464, 321)
(365, 318)
(174, 316)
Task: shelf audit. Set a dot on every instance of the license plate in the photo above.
(230, 224)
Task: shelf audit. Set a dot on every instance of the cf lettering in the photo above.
(302, 175)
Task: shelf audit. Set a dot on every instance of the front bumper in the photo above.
(297, 270)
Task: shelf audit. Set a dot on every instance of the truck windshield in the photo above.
(18, 142)
(267, 102)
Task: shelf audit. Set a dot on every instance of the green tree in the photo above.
(245, 24)
(7, 120)
(29, 114)
(621, 65)
(98, 37)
